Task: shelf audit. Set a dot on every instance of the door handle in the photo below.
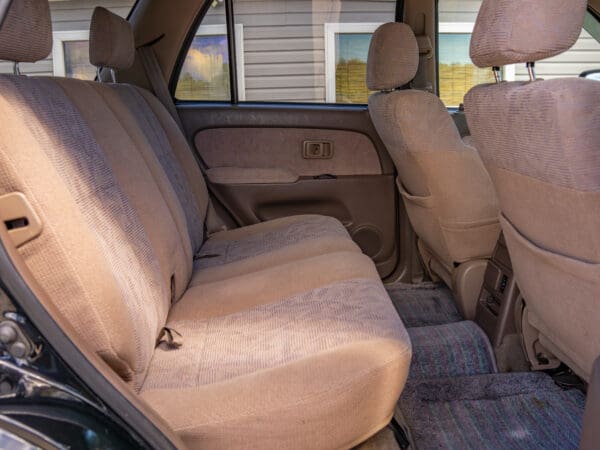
(317, 149)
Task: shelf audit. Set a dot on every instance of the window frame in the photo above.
(59, 68)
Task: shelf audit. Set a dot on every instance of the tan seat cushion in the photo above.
(268, 244)
(247, 378)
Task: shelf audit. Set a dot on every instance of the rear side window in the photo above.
(457, 73)
(302, 51)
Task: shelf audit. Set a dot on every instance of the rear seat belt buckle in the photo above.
(19, 218)
(169, 339)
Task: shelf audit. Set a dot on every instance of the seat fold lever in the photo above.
(19, 218)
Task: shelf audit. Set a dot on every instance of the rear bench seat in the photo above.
(289, 339)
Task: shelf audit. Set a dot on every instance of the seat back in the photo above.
(113, 250)
(112, 47)
(447, 192)
(540, 141)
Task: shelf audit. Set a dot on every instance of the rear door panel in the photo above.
(260, 166)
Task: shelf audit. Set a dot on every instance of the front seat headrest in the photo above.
(26, 31)
(111, 41)
(393, 57)
(522, 31)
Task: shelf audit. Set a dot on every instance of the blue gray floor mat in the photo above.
(498, 411)
(424, 304)
(450, 350)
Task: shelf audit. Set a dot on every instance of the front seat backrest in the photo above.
(448, 194)
(540, 141)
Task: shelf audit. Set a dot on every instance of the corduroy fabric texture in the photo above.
(449, 197)
(26, 33)
(274, 334)
(149, 191)
(393, 57)
(539, 141)
(518, 31)
(546, 130)
(111, 40)
(262, 368)
(424, 304)
(508, 411)
(68, 143)
(219, 250)
(450, 350)
(158, 140)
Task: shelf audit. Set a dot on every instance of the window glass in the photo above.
(77, 60)
(351, 50)
(457, 74)
(308, 51)
(205, 71)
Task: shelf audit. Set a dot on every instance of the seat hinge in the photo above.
(16, 343)
(19, 218)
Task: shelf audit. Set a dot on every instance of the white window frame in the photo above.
(331, 29)
(221, 29)
(58, 49)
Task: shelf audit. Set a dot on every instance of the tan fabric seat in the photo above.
(155, 128)
(272, 357)
(318, 369)
(540, 142)
(448, 194)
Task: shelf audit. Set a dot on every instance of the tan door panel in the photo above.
(347, 152)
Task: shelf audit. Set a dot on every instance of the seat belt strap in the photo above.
(157, 80)
(154, 73)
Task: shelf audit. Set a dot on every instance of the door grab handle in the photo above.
(317, 149)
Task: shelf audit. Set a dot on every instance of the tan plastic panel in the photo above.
(239, 175)
(352, 153)
(19, 218)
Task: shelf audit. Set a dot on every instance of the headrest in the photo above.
(111, 41)
(393, 57)
(26, 32)
(520, 31)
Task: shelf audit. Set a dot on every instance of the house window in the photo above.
(346, 51)
(457, 74)
(205, 72)
(70, 55)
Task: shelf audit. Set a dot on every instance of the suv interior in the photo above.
(254, 227)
